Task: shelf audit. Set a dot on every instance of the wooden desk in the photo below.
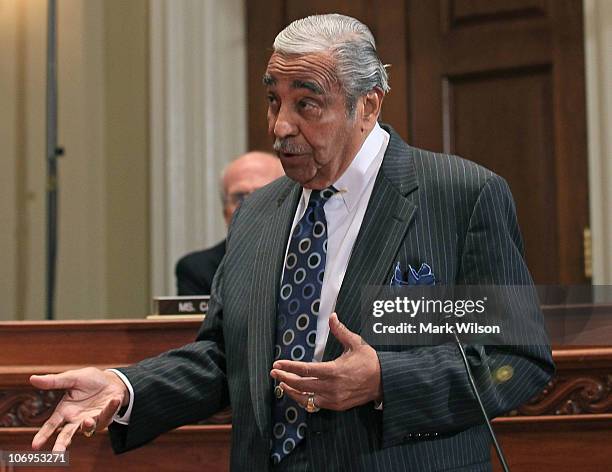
(186, 449)
(566, 428)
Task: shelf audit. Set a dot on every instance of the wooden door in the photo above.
(500, 82)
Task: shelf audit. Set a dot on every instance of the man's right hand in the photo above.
(91, 399)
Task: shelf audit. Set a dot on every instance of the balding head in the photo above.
(246, 174)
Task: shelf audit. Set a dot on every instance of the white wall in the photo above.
(198, 124)
(98, 253)
(11, 72)
(138, 187)
(82, 259)
(598, 50)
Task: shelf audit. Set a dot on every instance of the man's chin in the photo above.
(310, 181)
(301, 170)
(299, 177)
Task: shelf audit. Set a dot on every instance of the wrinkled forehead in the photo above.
(316, 71)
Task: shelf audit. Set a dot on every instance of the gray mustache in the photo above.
(287, 147)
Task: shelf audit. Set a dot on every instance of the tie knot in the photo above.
(319, 197)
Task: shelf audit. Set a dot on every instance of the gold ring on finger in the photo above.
(311, 407)
(88, 433)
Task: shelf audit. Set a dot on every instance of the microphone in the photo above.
(498, 449)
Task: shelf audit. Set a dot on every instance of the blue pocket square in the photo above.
(424, 276)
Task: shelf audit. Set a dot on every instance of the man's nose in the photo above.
(285, 126)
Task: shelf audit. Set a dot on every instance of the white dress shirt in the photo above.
(344, 213)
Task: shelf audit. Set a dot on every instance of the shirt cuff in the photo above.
(378, 405)
(124, 419)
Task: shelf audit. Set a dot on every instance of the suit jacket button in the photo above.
(278, 392)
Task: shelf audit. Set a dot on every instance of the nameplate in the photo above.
(181, 305)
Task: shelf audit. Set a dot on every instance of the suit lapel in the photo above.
(269, 257)
(383, 229)
(387, 218)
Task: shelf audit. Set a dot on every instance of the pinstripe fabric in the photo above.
(451, 213)
(297, 461)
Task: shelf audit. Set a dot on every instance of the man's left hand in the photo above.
(351, 380)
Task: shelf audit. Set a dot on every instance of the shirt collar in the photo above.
(355, 178)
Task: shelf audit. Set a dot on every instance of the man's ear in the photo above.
(372, 103)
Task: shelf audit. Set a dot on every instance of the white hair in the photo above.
(351, 45)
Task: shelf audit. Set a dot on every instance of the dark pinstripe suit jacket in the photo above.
(451, 213)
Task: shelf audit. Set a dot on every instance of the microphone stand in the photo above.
(498, 449)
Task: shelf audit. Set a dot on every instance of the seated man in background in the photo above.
(245, 174)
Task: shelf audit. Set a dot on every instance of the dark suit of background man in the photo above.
(244, 175)
(380, 410)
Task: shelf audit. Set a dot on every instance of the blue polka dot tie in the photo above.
(296, 322)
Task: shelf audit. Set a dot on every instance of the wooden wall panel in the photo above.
(477, 119)
(555, 445)
(477, 66)
(187, 449)
(264, 21)
(360, 9)
(442, 50)
(476, 11)
(570, 136)
(392, 44)
(98, 342)
(565, 428)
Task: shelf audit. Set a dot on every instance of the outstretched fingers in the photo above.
(64, 438)
(106, 415)
(54, 422)
(67, 430)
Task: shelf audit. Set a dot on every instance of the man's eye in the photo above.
(271, 99)
(306, 105)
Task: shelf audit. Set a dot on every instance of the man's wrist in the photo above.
(125, 411)
(116, 380)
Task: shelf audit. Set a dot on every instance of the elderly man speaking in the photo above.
(281, 342)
